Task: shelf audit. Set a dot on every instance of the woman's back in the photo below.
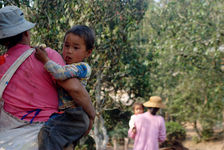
(31, 87)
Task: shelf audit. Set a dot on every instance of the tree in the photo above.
(111, 61)
(115, 61)
(186, 43)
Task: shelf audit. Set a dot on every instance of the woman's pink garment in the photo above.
(150, 131)
(31, 87)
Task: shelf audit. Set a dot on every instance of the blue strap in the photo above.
(28, 112)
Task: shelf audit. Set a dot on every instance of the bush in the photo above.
(175, 132)
(119, 132)
(207, 134)
(86, 143)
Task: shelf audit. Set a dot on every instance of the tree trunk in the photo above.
(196, 129)
(100, 133)
(115, 144)
(126, 142)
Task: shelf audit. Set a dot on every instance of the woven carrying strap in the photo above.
(12, 69)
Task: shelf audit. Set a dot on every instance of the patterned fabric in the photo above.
(80, 70)
(64, 99)
(150, 130)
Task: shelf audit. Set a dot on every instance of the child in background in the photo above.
(70, 124)
(138, 108)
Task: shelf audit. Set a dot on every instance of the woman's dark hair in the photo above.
(11, 41)
(153, 110)
(84, 32)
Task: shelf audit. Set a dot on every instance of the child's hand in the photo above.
(41, 54)
(134, 131)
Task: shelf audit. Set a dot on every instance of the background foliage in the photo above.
(187, 45)
(171, 48)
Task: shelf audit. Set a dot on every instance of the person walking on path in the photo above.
(150, 128)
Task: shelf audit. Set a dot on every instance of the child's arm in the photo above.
(80, 96)
(134, 131)
(79, 70)
(131, 134)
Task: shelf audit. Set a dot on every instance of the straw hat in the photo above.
(154, 101)
(12, 22)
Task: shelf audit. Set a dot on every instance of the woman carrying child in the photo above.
(150, 128)
(30, 97)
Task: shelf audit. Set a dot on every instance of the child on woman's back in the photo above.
(68, 126)
(138, 108)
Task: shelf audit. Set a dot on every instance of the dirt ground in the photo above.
(189, 143)
(210, 145)
(215, 145)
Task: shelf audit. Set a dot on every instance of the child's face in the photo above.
(74, 49)
(138, 109)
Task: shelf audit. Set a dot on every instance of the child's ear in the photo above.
(89, 52)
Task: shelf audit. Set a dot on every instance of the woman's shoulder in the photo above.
(51, 51)
(160, 118)
(143, 115)
(55, 56)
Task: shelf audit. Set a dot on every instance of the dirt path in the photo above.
(189, 143)
(215, 145)
(211, 145)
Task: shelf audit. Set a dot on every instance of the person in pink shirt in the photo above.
(150, 128)
(30, 97)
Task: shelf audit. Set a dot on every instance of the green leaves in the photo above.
(185, 37)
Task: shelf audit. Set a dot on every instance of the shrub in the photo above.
(86, 143)
(119, 132)
(207, 134)
(175, 134)
(175, 131)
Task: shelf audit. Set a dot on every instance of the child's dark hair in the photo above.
(84, 32)
(137, 104)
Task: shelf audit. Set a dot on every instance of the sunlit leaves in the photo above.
(186, 38)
